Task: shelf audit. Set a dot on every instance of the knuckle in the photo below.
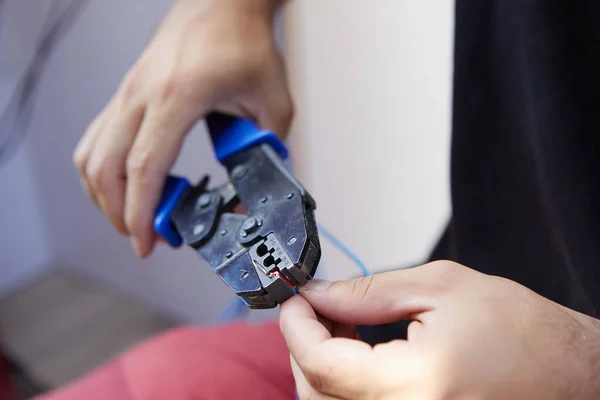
(82, 152)
(445, 266)
(139, 164)
(165, 89)
(132, 82)
(129, 88)
(361, 287)
(101, 174)
(446, 273)
(175, 85)
(95, 173)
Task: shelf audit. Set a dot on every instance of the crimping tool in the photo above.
(263, 255)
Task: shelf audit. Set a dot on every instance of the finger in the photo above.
(153, 153)
(83, 151)
(383, 298)
(333, 366)
(303, 388)
(107, 164)
(297, 312)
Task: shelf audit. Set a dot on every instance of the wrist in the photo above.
(585, 368)
(264, 8)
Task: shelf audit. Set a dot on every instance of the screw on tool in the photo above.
(198, 229)
(204, 200)
(239, 172)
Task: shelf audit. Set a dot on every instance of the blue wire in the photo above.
(236, 309)
(345, 249)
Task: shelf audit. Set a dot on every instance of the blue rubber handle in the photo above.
(230, 135)
(174, 188)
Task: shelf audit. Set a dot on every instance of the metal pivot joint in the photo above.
(262, 255)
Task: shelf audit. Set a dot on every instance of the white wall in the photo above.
(373, 90)
(24, 250)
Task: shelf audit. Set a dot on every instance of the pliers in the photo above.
(262, 255)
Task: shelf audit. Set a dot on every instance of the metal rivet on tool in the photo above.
(292, 240)
(264, 199)
(244, 234)
(290, 195)
(223, 232)
(204, 200)
(239, 172)
(251, 224)
(229, 254)
(198, 229)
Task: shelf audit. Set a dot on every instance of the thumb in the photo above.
(382, 298)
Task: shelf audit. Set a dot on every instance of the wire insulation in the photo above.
(366, 271)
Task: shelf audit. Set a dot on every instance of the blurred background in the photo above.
(370, 141)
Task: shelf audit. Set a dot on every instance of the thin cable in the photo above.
(345, 249)
(15, 119)
(236, 310)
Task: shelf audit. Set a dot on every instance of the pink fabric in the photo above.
(7, 390)
(237, 361)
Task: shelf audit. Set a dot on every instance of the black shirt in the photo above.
(525, 162)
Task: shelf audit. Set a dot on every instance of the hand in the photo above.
(473, 336)
(206, 55)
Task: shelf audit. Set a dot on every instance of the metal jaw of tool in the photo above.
(262, 255)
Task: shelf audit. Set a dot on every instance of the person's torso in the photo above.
(526, 146)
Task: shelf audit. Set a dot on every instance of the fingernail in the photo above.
(316, 285)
